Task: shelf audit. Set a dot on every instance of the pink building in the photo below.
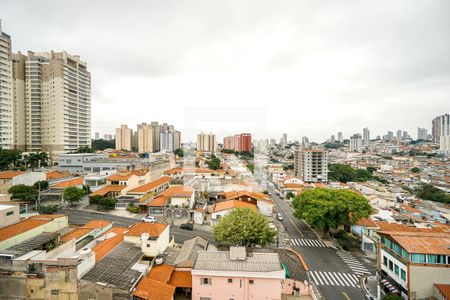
(235, 275)
(228, 142)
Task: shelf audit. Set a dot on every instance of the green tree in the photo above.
(102, 144)
(9, 159)
(37, 160)
(43, 185)
(23, 192)
(415, 170)
(341, 172)
(430, 192)
(107, 203)
(290, 195)
(371, 169)
(329, 208)
(48, 209)
(84, 149)
(288, 167)
(391, 296)
(244, 227)
(251, 167)
(213, 163)
(179, 152)
(73, 194)
(95, 199)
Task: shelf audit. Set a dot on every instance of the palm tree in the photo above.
(37, 159)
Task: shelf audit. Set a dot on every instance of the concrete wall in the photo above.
(6, 220)
(422, 279)
(29, 178)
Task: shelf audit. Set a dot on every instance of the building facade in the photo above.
(440, 127)
(6, 92)
(356, 142)
(206, 142)
(123, 138)
(145, 138)
(314, 165)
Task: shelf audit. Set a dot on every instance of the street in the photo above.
(336, 273)
(80, 217)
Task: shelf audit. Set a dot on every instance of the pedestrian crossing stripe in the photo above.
(353, 263)
(334, 278)
(307, 243)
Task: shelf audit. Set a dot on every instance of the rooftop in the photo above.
(25, 225)
(151, 185)
(115, 268)
(232, 204)
(10, 174)
(153, 229)
(68, 183)
(107, 189)
(151, 289)
(422, 242)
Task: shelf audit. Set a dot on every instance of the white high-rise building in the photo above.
(206, 142)
(440, 127)
(340, 137)
(444, 142)
(284, 140)
(422, 134)
(6, 93)
(313, 165)
(366, 137)
(356, 142)
(145, 138)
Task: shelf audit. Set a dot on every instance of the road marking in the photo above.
(296, 227)
(346, 296)
(308, 243)
(334, 278)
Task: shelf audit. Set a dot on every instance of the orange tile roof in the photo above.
(107, 189)
(410, 209)
(12, 230)
(173, 171)
(56, 175)
(120, 177)
(366, 222)
(232, 204)
(236, 194)
(293, 185)
(97, 224)
(151, 185)
(444, 289)
(422, 242)
(159, 201)
(161, 273)
(75, 234)
(105, 246)
(182, 279)
(10, 174)
(46, 217)
(153, 229)
(150, 289)
(395, 227)
(181, 191)
(67, 183)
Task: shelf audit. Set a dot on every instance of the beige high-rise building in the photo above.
(123, 138)
(176, 140)
(145, 138)
(6, 92)
(156, 131)
(52, 102)
(206, 142)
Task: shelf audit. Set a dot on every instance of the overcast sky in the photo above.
(307, 68)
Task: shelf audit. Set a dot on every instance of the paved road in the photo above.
(79, 217)
(333, 276)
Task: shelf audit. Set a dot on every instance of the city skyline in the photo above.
(255, 61)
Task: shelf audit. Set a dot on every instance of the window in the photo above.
(55, 292)
(431, 258)
(396, 270)
(205, 281)
(10, 213)
(148, 245)
(403, 275)
(391, 265)
(230, 280)
(251, 281)
(385, 260)
(418, 258)
(205, 298)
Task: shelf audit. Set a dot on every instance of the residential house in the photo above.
(9, 214)
(153, 238)
(179, 196)
(12, 178)
(235, 275)
(221, 209)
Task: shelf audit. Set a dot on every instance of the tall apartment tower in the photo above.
(314, 165)
(177, 140)
(166, 141)
(52, 102)
(6, 93)
(340, 137)
(145, 138)
(206, 142)
(228, 142)
(123, 138)
(297, 161)
(284, 140)
(422, 134)
(366, 137)
(356, 142)
(440, 127)
(156, 129)
(245, 143)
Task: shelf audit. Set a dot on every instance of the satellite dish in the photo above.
(305, 282)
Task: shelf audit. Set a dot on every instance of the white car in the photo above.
(149, 219)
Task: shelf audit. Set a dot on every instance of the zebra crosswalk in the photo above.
(357, 267)
(334, 278)
(307, 243)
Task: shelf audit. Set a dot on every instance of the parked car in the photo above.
(279, 217)
(149, 219)
(187, 226)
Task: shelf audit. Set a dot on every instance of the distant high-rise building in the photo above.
(166, 140)
(399, 135)
(228, 142)
(340, 137)
(444, 144)
(156, 131)
(145, 138)
(305, 142)
(313, 165)
(6, 93)
(366, 137)
(333, 139)
(177, 140)
(272, 142)
(297, 161)
(52, 96)
(405, 135)
(108, 137)
(97, 136)
(422, 134)
(123, 138)
(284, 140)
(390, 135)
(440, 127)
(245, 143)
(206, 142)
(356, 142)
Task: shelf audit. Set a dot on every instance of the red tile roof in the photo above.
(444, 289)
(68, 183)
(10, 174)
(159, 201)
(232, 204)
(56, 175)
(150, 289)
(84, 230)
(120, 177)
(182, 279)
(153, 229)
(105, 246)
(161, 273)
(107, 189)
(151, 185)
(33, 222)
